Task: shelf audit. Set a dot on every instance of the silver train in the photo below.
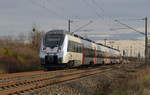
(61, 48)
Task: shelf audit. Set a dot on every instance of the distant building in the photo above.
(131, 48)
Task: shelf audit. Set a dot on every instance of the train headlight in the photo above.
(44, 50)
(59, 49)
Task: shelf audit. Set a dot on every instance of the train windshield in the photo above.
(54, 40)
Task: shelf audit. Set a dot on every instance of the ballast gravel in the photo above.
(89, 85)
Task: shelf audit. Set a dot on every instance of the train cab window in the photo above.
(53, 40)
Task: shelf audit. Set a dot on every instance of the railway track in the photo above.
(6, 78)
(24, 74)
(44, 79)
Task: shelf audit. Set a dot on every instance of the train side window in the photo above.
(99, 53)
(80, 48)
(89, 52)
(68, 49)
(74, 47)
(70, 46)
(85, 51)
(93, 53)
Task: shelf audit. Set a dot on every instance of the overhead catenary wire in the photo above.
(60, 7)
(89, 4)
(130, 19)
(83, 26)
(98, 6)
(56, 13)
(79, 30)
(47, 9)
(92, 5)
(55, 5)
(129, 27)
(92, 8)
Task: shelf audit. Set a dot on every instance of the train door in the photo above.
(95, 57)
(83, 54)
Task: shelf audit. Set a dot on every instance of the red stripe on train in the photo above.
(83, 54)
(95, 55)
(105, 60)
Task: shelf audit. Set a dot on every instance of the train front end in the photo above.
(51, 51)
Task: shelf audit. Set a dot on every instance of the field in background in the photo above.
(16, 56)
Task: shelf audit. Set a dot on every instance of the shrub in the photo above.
(18, 57)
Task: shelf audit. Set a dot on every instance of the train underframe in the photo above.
(53, 62)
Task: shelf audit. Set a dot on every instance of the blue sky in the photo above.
(18, 16)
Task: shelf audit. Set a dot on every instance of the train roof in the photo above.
(75, 35)
(57, 31)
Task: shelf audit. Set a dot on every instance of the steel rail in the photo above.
(63, 78)
(25, 74)
(2, 85)
(13, 75)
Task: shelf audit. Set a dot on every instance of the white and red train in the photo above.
(61, 48)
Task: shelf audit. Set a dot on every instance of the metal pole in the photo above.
(105, 41)
(146, 41)
(69, 25)
(130, 51)
(146, 38)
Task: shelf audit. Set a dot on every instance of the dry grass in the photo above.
(128, 83)
(17, 57)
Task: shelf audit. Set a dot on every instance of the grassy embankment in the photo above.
(17, 57)
(131, 82)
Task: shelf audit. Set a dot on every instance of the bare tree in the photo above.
(35, 38)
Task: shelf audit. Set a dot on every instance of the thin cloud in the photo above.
(19, 16)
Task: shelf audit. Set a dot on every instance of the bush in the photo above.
(18, 57)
